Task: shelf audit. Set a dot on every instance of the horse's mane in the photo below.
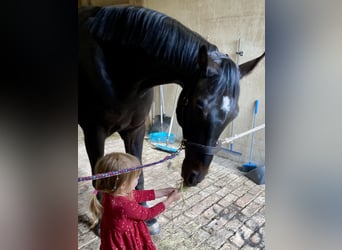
(230, 78)
(158, 35)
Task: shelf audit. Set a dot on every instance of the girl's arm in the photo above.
(135, 211)
(149, 195)
(144, 195)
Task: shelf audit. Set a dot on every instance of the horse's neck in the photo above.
(165, 73)
(167, 78)
(145, 72)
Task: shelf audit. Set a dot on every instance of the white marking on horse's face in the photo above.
(225, 104)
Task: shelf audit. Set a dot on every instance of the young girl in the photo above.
(122, 218)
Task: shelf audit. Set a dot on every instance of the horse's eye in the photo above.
(200, 104)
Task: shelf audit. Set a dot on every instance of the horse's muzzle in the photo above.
(193, 172)
(193, 178)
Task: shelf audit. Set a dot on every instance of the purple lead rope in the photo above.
(123, 171)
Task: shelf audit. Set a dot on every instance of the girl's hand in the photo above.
(164, 192)
(169, 190)
(172, 197)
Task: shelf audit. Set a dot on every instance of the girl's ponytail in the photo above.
(95, 208)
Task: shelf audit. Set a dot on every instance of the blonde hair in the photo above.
(108, 163)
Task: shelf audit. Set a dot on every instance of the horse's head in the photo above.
(206, 108)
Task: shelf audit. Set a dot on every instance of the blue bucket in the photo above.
(161, 137)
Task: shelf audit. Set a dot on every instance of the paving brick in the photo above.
(190, 191)
(247, 247)
(225, 179)
(192, 226)
(174, 238)
(86, 239)
(230, 211)
(233, 225)
(260, 199)
(181, 246)
(233, 176)
(256, 189)
(241, 217)
(257, 240)
(251, 209)
(241, 190)
(212, 211)
(199, 236)
(194, 199)
(249, 183)
(241, 236)
(227, 200)
(205, 246)
(262, 210)
(216, 172)
(219, 238)
(237, 240)
(209, 190)
(237, 182)
(194, 211)
(91, 245)
(209, 201)
(179, 222)
(245, 199)
(255, 222)
(201, 205)
(245, 234)
(179, 206)
(224, 191)
(162, 219)
(202, 220)
(215, 225)
(83, 229)
(228, 246)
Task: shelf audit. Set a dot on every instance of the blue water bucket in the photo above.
(161, 137)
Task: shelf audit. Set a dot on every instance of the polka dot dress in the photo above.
(123, 221)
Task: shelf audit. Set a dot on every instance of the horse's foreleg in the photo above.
(94, 139)
(133, 140)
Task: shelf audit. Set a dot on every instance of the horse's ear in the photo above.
(203, 58)
(247, 67)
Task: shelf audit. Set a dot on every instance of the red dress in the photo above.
(123, 221)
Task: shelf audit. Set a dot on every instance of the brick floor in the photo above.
(225, 211)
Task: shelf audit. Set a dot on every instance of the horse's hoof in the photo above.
(154, 228)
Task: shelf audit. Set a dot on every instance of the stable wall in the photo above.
(223, 23)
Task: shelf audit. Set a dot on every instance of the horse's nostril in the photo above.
(190, 180)
(193, 178)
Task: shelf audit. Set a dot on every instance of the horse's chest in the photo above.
(127, 114)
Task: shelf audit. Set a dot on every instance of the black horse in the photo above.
(123, 53)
